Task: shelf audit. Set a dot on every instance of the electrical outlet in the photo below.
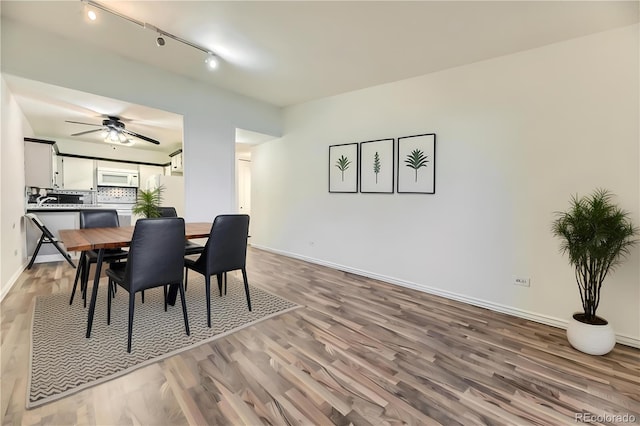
(522, 281)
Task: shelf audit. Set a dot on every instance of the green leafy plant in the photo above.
(148, 202)
(376, 165)
(597, 235)
(416, 160)
(343, 164)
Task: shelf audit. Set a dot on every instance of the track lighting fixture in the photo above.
(212, 60)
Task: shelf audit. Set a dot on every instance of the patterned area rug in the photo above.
(63, 361)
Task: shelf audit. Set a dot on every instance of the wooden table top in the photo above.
(97, 238)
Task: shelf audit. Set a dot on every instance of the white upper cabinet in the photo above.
(78, 173)
(39, 161)
(176, 162)
(146, 172)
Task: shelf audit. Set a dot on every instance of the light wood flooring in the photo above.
(359, 352)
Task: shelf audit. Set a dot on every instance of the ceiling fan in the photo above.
(114, 131)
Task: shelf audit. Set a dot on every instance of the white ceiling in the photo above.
(290, 52)
(48, 107)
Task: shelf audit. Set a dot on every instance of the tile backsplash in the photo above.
(114, 194)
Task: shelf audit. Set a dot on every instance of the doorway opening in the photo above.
(246, 141)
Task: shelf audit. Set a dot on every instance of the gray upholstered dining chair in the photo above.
(225, 251)
(95, 218)
(189, 247)
(155, 259)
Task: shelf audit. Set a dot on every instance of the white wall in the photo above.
(211, 115)
(14, 129)
(516, 136)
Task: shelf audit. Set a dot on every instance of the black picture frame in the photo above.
(416, 164)
(377, 166)
(343, 168)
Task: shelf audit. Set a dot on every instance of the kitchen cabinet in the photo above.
(116, 165)
(145, 172)
(176, 162)
(58, 172)
(40, 165)
(78, 173)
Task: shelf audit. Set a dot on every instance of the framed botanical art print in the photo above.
(376, 166)
(416, 166)
(343, 168)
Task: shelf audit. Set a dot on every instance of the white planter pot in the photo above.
(591, 339)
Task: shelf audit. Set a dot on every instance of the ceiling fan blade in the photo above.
(87, 124)
(86, 132)
(139, 136)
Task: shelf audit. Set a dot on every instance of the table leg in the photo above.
(94, 292)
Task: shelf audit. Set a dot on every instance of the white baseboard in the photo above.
(46, 258)
(12, 281)
(497, 307)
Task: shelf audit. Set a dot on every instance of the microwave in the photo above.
(117, 177)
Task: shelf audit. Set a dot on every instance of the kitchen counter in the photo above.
(124, 210)
(33, 208)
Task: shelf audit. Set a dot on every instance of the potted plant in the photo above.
(597, 235)
(148, 202)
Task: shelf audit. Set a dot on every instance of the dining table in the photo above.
(101, 239)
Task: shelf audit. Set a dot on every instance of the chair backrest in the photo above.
(168, 212)
(156, 255)
(95, 218)
(226, 248)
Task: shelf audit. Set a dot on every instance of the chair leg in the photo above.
(184, 310)
(219, 277)
(207, 286)
(35, 252)
(142, 296)
(246, 287)
(225, 283)
(79, 272)
(186, 275)
(132, 300)
(64, 254)
(85, 280)
(165, 297)
(109, 302)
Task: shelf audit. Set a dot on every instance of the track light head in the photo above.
(212, 61)
(160, 42)
(88, 11)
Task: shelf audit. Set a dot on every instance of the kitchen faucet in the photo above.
(43, 198)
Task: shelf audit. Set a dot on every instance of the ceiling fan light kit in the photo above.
(212, 60)
(113, 131)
